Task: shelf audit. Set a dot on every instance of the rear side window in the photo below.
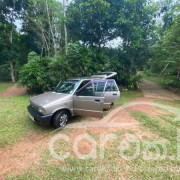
(111, 86)
(100, 87)
(95, 88)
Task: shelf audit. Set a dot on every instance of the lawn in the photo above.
(15, 123)
(112, 164)
(175, 103)
(166, 130)
(128, 96)
(18, 125)
(153, 77)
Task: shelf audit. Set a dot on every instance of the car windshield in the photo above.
(66, 87)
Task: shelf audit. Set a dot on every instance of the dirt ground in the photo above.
(24, 154)
(14, 91)
(153, 90)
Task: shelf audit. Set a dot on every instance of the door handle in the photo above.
(114, 94)
(97, 100)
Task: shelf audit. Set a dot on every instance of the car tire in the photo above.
(61, 118)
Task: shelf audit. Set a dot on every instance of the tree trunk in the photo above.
(45, 43)
(66, 41)
(65, 28)
(49, 21)
(12, 71)
(11, 42)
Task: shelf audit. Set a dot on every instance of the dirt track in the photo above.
(153, 90)
(24, 154)
(14, 91)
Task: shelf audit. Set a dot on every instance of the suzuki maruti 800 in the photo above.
(76, 96)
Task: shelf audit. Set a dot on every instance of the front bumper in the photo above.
(44, 120)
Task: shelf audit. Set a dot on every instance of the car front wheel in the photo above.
(61, 119)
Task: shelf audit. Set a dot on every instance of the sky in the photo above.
(114, 43)
(18, 24)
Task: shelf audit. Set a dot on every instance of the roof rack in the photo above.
(104, 75)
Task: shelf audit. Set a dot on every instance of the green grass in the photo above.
(165, 81)
(73, 168)
(66, 169)
(166, 130)
(175, 103)
(170, 117)
(15, 123)
(153, 77)
(127, 96)
(4, 86)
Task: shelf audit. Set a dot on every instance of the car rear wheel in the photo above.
(61, 119)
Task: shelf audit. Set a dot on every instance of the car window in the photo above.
(100, 87)
(67, 86)
(95, 88)
(111, 86)
(82, 84)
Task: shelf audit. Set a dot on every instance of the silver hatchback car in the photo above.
(76, 96)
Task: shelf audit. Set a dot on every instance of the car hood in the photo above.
(48, 98)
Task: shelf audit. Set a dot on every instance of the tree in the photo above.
(43, 24)
(135, 24)
(95, 22)
(88, 21)
(76, 34)
(166, 55)
(11, 10)
(65, 28)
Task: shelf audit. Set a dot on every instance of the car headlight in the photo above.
(41, 110)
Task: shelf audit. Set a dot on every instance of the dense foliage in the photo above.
(61, 39)
(165, 61)
(34, 74)
(80, 61)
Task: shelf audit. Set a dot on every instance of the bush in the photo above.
(133, 82)
(34, 74)
(80, 61)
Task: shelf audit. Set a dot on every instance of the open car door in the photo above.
(89, 100)
(104, 75)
